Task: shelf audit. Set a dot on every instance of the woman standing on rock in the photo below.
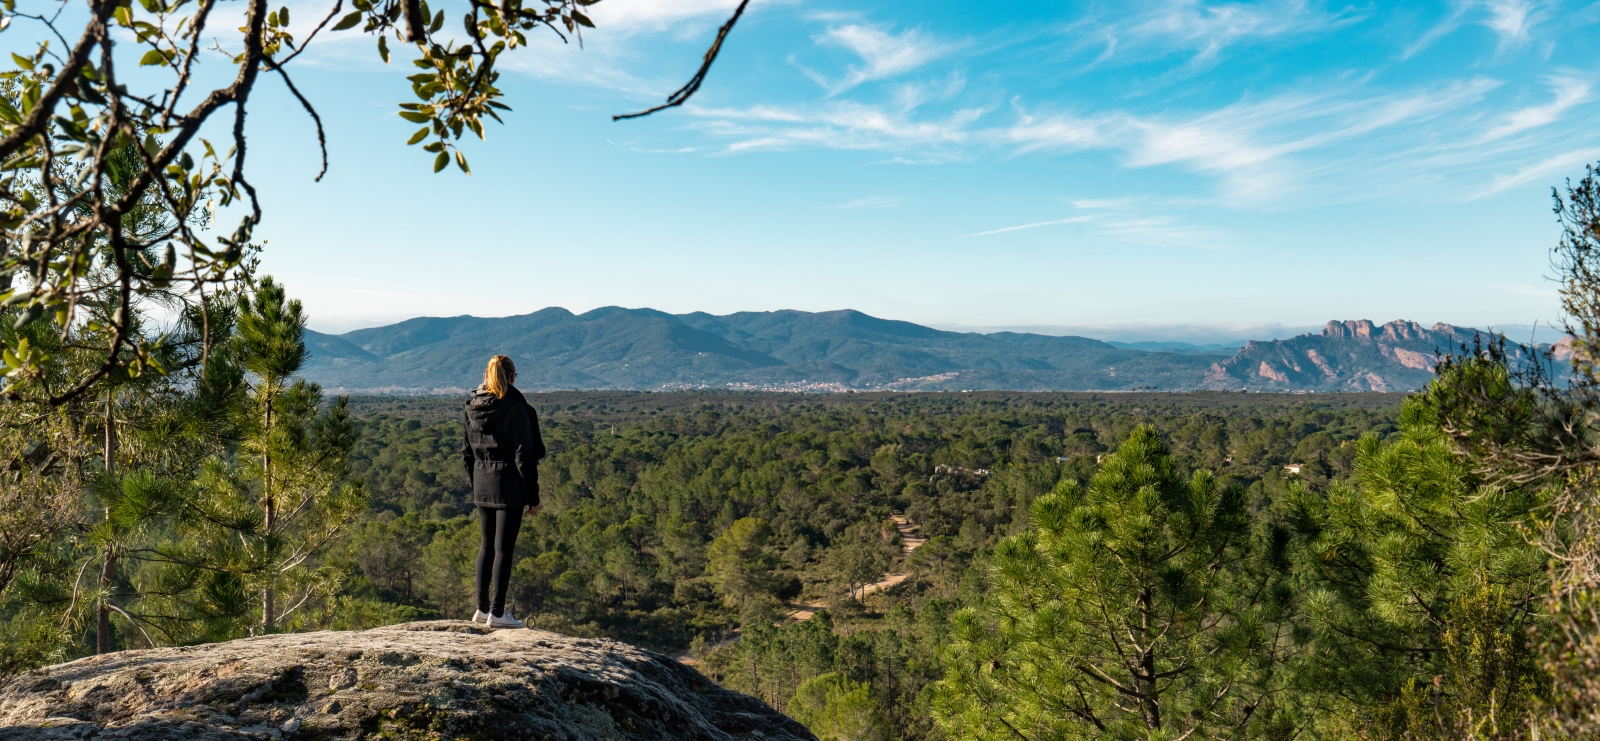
(502, 453)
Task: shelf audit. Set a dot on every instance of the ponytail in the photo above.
(497, 379)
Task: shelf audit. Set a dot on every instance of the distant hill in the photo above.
(645, 349)
(615, 348)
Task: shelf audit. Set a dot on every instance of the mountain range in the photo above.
(645, 349)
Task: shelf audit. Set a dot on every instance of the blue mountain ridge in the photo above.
(645, 349)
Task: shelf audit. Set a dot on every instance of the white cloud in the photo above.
(1247, 144)
(1208, 29)
(1035, 225)
(883, 54)
(1569, 91)
(1513, 21)
(1125, 220)
(1204, 29)
(836, 125)
(1548, 167)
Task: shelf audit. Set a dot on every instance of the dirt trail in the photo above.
(684, 657)
(910, 541)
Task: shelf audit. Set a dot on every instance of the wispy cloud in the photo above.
(1207, 29)
(1204, 30)
(1513, 21)
(1126, 220)
(1546, 168)
(873, 202)
(1035, 225)
(1246, 143)
(883, 54)
(1569, 91)
(835, 125)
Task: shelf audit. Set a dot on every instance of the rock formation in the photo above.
(1347, 356)
(428, 680)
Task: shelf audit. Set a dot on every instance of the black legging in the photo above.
(500, 528)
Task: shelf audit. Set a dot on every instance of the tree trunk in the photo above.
(269, 505)
(102, 618)
(110, 457)
(1144, 675)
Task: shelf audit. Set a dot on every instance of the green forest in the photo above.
(992, 565)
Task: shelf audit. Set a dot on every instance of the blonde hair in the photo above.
(497, 378)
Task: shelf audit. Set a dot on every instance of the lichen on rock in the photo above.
(429, 680)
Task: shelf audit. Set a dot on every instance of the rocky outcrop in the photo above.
(429, 680)
(1351, 355)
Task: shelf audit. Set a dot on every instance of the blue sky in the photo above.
(1228, 167)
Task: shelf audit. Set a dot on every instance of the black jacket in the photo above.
(502, 450)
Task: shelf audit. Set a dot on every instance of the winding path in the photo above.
(910, 540)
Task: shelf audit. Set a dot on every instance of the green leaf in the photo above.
(348, 21)
(152, 58)
(461, 162)
(421, 134)
(283, 15)
(441, 161)
(22, 61)
(438, 22)
(383, 48)
(415, 117)
(582, 19)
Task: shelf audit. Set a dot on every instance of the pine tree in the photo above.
(837, 709)
(1420, 588)
(739, 563)
(290, 493)
(1133, 608)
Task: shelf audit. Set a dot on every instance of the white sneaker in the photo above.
(479, 616)
(505, 621)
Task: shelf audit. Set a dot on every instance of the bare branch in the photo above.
(693, 85)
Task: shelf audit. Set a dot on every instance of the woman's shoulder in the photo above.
(516, 394)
